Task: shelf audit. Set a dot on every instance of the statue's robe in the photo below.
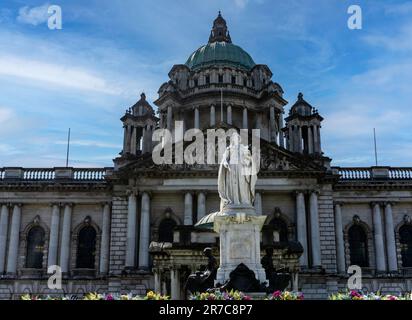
(237, 177)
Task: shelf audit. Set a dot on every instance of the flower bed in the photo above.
(99, 296)
(359, 295)
(225, 295)
(286, 295)
(218, 295)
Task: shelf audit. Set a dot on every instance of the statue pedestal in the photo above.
(239, 242)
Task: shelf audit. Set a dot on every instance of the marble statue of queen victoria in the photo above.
(237, 176)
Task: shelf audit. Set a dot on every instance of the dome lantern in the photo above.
(219, 31)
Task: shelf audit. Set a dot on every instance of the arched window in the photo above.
(86, 248)
(35, 247)
(358, 246)
(166, 227)
(405, 239)
(280, 230)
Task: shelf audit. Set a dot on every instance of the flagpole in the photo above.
(68, 149)
(376, 152)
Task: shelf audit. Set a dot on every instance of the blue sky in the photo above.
(85, 75)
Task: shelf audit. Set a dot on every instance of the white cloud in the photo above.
(399, 42)
(241, 3)
(33, 16)
(55, 74)
(401, 8)
(5, 114)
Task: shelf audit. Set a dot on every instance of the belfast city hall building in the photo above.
(141, 226)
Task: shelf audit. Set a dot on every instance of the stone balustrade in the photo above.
(374, 173)
(50, 174)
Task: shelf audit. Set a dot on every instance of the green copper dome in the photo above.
(220, 53)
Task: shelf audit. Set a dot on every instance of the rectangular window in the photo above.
(220, 78)
(233, 80)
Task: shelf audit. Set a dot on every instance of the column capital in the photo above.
(68, 204)
(389, 203)
(106, 203)
(16, 204)
(297, 192)
(191, 192)
(338, 203)
(204, 192)
(130, 192)
(58, 204)
(375, 203)
(149, 193)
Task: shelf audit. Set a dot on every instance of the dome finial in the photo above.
(219, 31)
(300, 96)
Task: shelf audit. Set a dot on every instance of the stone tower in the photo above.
(139, 123)
(303, 128)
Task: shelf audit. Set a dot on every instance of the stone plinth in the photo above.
(239, 242)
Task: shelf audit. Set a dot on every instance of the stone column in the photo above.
(105, 242)
(314, 229)
(174, 284)
(128, 138)
(340, 244)
(378, 237)
(144, 232)
(229, 114)
(4, 223)
(201, 205)
(245, 124)
(66, 235)
(14, 240)
(54, 236)
(258, 203)
(188, 215)
(316, 148)
(299, 142)
(310, 140)
(272, 137)
(149, 141)
(295, 281)
(212, 115)
(157, 280)
(319, 140)
(301, 227)
(281, 139)
(290, 143)
(164, 288)
(197, 120)
(144, 142)
(124, 139)
(131, 231)
(133, 141)
(169, 118)
(390, 238)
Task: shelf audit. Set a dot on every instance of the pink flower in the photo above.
(109, 297)
(353, 293)
(277, 294)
